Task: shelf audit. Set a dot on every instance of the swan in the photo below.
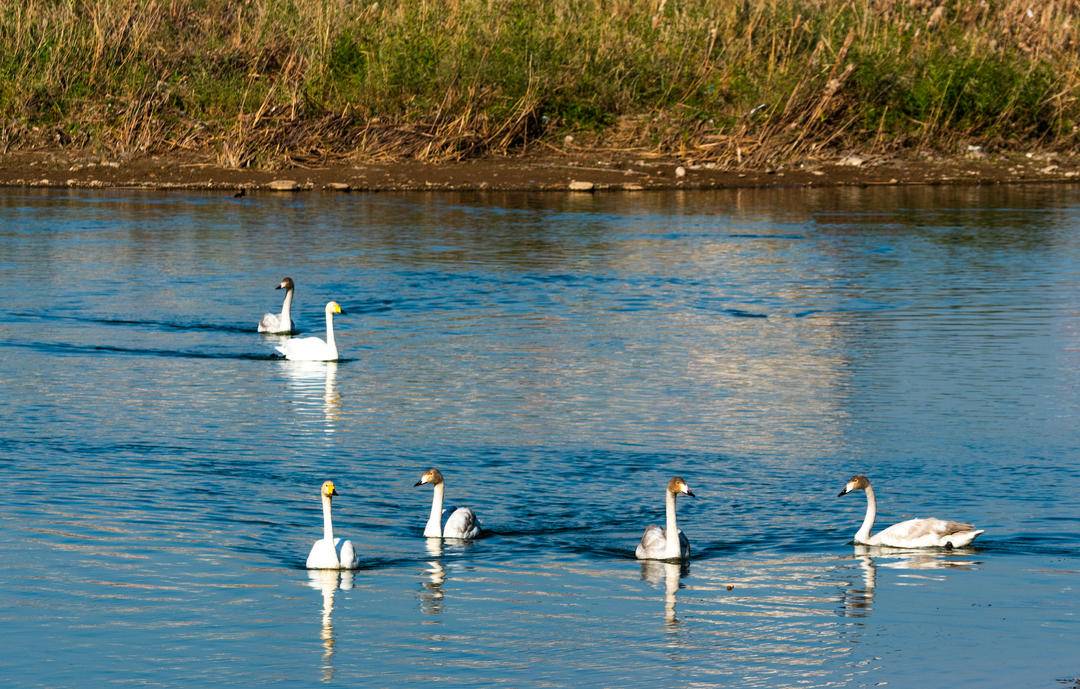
(462, 522)
(329, 552)
(280, 324)
(670, 543)
(914, 533)
(312, 348)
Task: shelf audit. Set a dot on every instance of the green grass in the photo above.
(266, 82)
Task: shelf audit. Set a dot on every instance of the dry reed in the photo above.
(272, 83)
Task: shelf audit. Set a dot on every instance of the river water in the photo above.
(558, 357)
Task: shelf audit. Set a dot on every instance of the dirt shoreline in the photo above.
(580, 170)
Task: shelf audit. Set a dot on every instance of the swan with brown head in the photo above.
(447, 522)
(668, 543)
(913, 533)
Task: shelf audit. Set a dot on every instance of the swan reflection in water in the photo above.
(658, 572)
(314, 384)
(431, 590)
(858, 601)
(328, 581)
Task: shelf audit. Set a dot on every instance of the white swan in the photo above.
(914, 533)
(329, 552)
(280, 324)
(670, 543)
(312, 348)
(461, 522)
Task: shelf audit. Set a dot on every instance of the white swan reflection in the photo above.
(314, 386)
(859, 601)
(656, 572)
(328, 581)
(431, 593)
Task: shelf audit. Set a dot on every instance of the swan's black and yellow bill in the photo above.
(418, 483)
(690, 493)
(845, 491)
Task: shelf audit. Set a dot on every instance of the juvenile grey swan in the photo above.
(329, 552)
(669, 543)
(461, 522)
(280, 323)
(914, 533)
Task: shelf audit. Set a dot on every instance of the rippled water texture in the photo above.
(559, 357)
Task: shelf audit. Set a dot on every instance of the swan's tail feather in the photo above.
(958, 527)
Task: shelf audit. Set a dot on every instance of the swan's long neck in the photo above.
(327, 523)
(671, 536)
(286, 306)
(863, 534)
(434, 522)
(330, 330)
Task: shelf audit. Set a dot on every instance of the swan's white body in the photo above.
(913, 533)
(312, 348)
(329, 552)
(280, 323)
(669, 543)
(447, 522)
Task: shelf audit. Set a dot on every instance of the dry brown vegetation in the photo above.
(270, 83)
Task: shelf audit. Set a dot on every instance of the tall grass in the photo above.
(275, 82)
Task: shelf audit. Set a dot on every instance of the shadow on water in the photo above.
(73, 349)
(137, 323)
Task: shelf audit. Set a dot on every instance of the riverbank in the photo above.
(302, 84)
(585, 171)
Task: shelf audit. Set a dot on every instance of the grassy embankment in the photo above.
(271, 82)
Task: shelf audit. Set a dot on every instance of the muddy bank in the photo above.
(583, 171)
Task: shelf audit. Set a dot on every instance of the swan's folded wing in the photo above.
(323, 555)
(462, 523)
(652, 541)
(347, 555)
(927, 533)
(268, 323)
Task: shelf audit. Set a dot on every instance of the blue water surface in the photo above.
(558, 357)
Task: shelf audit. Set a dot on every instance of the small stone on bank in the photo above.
(283, 185)
(680, 171)
(338, 186)
(576, 185)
